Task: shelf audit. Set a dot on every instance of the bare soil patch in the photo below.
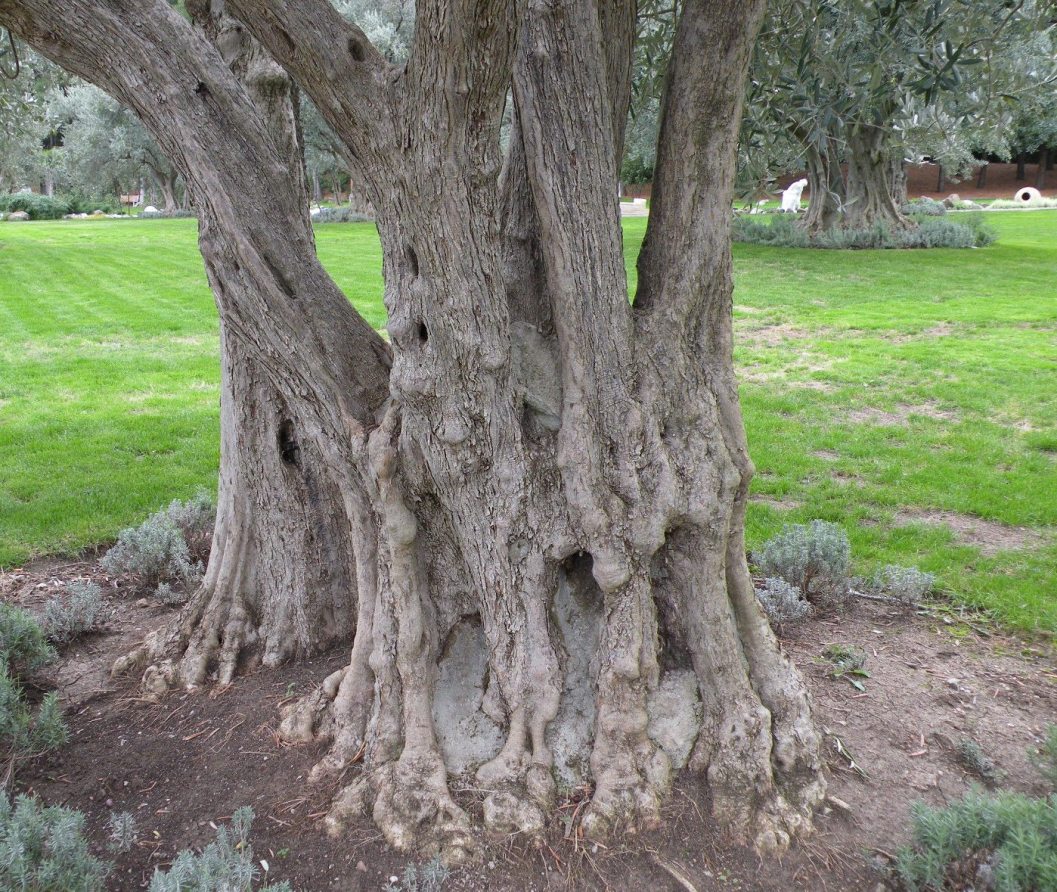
(987, 535)
(776, 502)
(754, 374)
(901, 414)
(193, 758)
(940, 330)
(773, 335)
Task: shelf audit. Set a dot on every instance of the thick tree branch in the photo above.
(335, 64)
(460, 65)
(524, 274)
(617, 22)
(688, 236)
(561, 87)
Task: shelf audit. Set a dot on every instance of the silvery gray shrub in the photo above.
(816, 558)
(783, 603)
(42, 848)
(225, 865)
(168, 548)
(908, 585)
(121, 827)
(82, 610)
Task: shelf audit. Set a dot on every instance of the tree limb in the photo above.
(334, 63)
(688, 235)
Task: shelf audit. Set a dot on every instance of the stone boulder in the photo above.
(17, 217)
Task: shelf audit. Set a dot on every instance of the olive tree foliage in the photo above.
(859, 85)
(523, 513)
(26, 79)
(1003, 106)
(105, 148)
(655, 26)
(1035, 119)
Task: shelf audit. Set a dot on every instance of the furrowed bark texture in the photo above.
(826, 189)
(871, 191)
(532, 515)
(870, 199)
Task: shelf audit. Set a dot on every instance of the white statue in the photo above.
(791, 196)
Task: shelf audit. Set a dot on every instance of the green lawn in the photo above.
(875, 384)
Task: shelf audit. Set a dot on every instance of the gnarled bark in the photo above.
(826, 189)
(538, 507)
(869, 196)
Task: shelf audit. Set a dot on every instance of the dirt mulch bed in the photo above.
(186, 763)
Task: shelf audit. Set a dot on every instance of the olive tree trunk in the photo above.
(869, 198)
(527, 518)
(826, 189)
(166, 185)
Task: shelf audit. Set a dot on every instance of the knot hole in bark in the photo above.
(279, 277)
(289, 450)
(356, 50)
(287, 40)
(422, 333)
(202, 90)
(412, 260)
